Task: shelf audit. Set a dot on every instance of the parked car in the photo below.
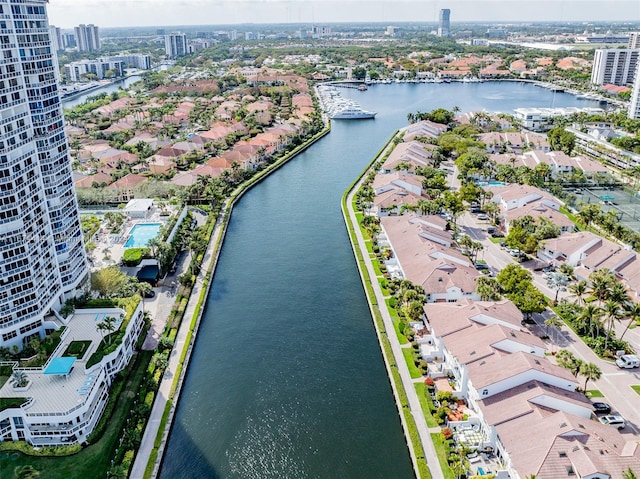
(628, 361)
(481, 266)
(601, 408)
(476, 209)
(615, 421)
(549, 269)
(483, 216)
(150, 294)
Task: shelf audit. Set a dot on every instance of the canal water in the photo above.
(110, 88)
(286, 379)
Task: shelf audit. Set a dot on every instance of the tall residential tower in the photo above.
(42, 257)
(444, 27)
(87, 38)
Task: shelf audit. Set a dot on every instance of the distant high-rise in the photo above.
(42, 257)
(56, 38)
(175, 45)
(68, 40)
(614, 66)
(634, 105)
(87, 38)
(634, 40)
(444, 27)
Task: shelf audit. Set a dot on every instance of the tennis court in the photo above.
(625, 204)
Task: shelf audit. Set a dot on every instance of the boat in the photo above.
(339, 108)
(352, 113)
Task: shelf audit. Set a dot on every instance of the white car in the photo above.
(483, 216)
(615, 421)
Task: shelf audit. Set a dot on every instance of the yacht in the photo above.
(352, 113)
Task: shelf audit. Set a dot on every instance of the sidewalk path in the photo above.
(162, 396)
(408, 383)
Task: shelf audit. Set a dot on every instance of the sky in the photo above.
(126, 13)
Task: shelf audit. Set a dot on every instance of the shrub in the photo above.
(429, 382)
(447, 433)
(133, 256)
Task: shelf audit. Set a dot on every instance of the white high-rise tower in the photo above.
(42, 257)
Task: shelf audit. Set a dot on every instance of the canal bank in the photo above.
(286, 378)
(150, 453)
(417, 432)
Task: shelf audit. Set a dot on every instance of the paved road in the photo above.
(407, 381)
(615, 383)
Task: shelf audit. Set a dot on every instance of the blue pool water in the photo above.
(141, 234)
(490, 183)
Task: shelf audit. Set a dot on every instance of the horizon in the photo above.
(157, 13)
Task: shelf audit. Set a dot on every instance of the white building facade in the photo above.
(42, 256)
(175, 45)
(87, 38)
(614, 66)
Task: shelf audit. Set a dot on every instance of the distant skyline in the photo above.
(126, 13)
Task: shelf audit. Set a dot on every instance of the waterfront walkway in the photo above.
(164, 392)
(407, 382)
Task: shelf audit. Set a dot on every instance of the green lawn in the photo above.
(636, 388)
(93, 461)
(594, 393)
(6, 403)
(442, 456)
(408, 358)
(77, 349)
(376, 267)
(425, 403)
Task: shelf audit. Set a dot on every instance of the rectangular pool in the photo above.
(141, 234)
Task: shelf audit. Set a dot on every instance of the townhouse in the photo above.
(513, 393)
(421, 253)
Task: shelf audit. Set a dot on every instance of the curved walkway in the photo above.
(408, 383)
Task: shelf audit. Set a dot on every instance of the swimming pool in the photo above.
(490, 183)
(141, 234)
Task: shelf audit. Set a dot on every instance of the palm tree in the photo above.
(579, 291)
(488, 289)
(589, 319)
(633, 314)
(591, 372)
(629, 474)
(567, 360)
(19, 379)
(612, 313)
(600, 284)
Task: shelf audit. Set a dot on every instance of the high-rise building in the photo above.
(614, 66)
(68, 40)
(42, 257)
(634, 40)
(634, 105)
(56, 38)
(175, 45)
(87, 38)
(444, 26)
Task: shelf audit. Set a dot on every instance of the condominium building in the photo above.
(175, 45)
(614, 66)
(56, 38)
(634, 105)
(42, 256)
(94, 69)
(444, 27)
(87, 38)
(634, 40)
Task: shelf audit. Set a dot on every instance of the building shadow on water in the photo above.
(184, 459)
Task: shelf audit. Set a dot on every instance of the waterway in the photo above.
(286, 379)
(110, 88)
